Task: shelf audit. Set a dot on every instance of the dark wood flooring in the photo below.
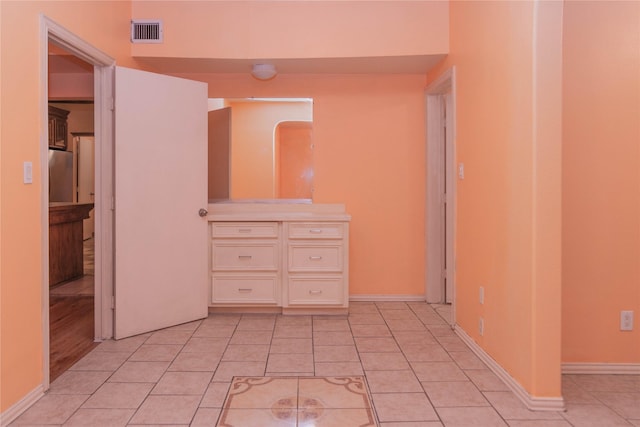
(71, 329)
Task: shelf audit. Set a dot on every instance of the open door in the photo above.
(160, 186)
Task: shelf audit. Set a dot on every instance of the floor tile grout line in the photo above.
(463, 372)
(374, 412)
(165, 370)
(156, 383)
(101, 385)
(414, 373)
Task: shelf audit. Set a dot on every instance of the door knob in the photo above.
(203, 212)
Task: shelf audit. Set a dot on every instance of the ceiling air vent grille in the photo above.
(146, 31)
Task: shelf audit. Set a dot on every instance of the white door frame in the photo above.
(440, 96)
(103, 64)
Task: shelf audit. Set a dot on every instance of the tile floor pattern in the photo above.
(418, 371)
(297, 401)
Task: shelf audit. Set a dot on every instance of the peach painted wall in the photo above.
(508, 205)
(105, 25)
(601, 181)
(295, 29)
(71, 86)
(252, 144)
(369, 141)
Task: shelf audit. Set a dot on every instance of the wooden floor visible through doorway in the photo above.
(71, 318)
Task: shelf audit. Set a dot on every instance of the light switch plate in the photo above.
(27, 172)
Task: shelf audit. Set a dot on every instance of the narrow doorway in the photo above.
(71, 211)
(98, 75)
(441, 185)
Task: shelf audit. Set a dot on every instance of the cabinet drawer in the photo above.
(315, 257)
(231, 230)
(246, 256)
(242, 289)
(306, 230)
(320, 290)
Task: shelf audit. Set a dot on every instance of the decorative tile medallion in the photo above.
(298, 401)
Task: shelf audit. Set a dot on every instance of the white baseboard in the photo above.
(380, 298)
(601, 368)
(532, 403)
(20, 406)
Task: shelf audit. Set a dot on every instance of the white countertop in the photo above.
(277, 211)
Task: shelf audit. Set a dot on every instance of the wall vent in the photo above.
(146, 31)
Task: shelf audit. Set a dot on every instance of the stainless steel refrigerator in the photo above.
(60, 176)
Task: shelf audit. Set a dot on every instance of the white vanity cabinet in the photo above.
(245, 263)
(317, 264)
(292, 258)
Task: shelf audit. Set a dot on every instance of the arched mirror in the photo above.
(261, 148)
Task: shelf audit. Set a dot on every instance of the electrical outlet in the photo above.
(626, 320)
(481, 294)
(481, 326)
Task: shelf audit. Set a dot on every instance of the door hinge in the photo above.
(113, 203)
(112, 104)
(113, 302)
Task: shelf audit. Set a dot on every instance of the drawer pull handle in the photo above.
(244, 230)
(315, 230)
(245, 256)
(312, 292)
(315, 257)
(244, 290)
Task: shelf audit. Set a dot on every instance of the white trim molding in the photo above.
(440, 208)
(15, 410)
(531, 402)
(54, 33)
(390, 298)
(601, 368)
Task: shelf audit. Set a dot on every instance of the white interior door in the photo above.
(160, 185)
(85, 146)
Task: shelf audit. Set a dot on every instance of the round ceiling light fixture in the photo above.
(263, 71)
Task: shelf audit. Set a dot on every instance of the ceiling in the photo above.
(61, 61)
(415, 64)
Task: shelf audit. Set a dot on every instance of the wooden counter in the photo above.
(65, 241)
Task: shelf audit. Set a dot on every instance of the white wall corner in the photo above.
(531, 402)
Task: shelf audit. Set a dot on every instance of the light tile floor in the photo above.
(418, 371)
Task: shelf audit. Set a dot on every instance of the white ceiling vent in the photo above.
(146, 31)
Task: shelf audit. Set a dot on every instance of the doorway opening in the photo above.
(441, 192)
(67, 61)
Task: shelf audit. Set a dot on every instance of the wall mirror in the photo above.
(261, 149)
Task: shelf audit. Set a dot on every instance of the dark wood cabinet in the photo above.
(65, 241)
(58, 128)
